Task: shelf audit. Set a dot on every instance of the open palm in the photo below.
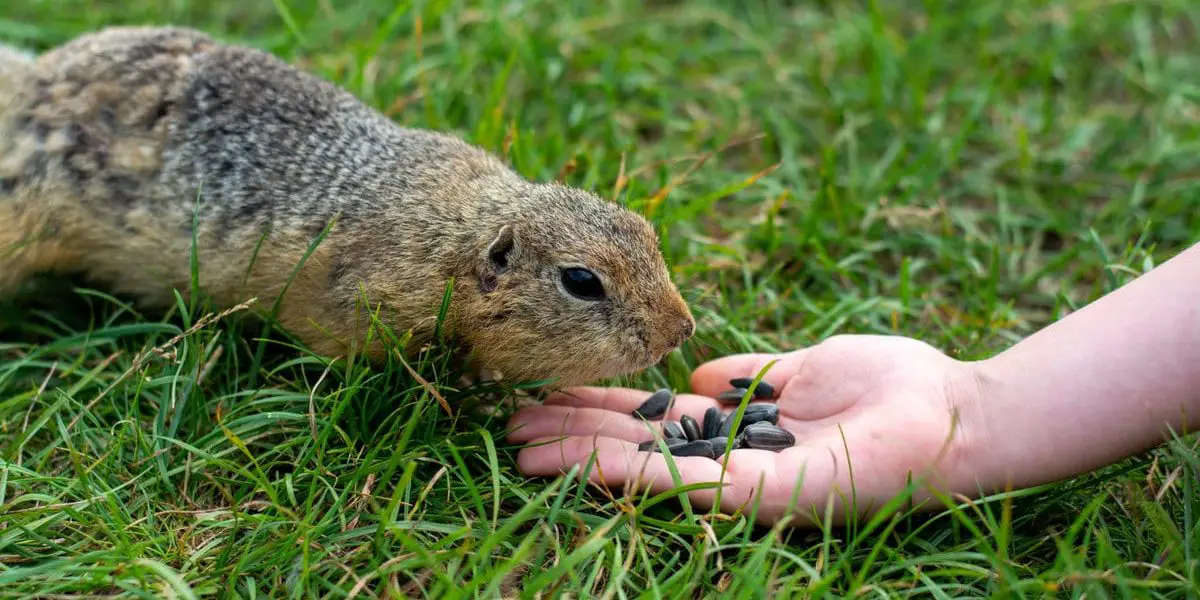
(864, 409)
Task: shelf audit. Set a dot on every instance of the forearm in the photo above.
(1110, 380)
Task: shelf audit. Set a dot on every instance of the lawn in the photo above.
(963, 173)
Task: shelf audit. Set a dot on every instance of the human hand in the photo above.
(871, 408)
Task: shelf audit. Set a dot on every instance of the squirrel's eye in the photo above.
(582, 284)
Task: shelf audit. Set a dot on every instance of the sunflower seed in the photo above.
(720, 441)
(765, 436)
(754, 413)
(696, 448)
(652, 445)
(712, 423)
(764, 390)
(733, 396)
(655, 406)
(760, 413)
(673, 430)
(727, 425)
(691, 429)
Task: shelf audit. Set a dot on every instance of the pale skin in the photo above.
(1111, 380)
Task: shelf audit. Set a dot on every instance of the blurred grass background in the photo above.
(960, 172)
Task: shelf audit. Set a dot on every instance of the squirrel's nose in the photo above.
(684, 330)
(673, 329)
(672, 336)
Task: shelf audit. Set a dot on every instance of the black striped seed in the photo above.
(759, 413)
(673, 430)
(712, 423)
(696, 448)
(691, 429)
(764, 436)
(764, 390)
(655, 406)
(754, 413)
(719, 443)
(652, 445)
(733, 396)
(727, 424)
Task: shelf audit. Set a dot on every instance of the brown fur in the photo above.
(111, 144)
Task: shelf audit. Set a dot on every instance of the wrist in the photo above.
(974, 391)
(1027, 424)
(1108, 381)
(1028, 431)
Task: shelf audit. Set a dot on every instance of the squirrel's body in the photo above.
(114, 145)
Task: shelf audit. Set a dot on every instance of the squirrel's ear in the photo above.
(500, 252)
(497, 259)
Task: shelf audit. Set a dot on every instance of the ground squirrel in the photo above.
(109, 142)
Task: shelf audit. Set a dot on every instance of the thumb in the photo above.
(712, 378)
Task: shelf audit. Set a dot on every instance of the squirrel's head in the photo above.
(569, 286)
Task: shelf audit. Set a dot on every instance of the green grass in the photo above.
(963, 173)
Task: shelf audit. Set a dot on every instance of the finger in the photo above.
(618, 464)
(625, 400)
(754, 480)
(712, 378)
(536, 422)
(600, 413)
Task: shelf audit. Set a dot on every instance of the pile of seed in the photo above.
(687, 437)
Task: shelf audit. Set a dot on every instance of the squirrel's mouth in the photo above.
(651, 358)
